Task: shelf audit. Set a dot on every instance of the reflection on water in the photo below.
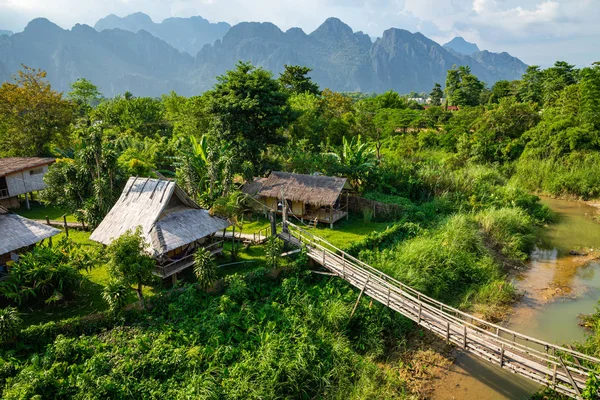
(558, 287)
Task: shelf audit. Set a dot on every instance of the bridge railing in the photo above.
(541, 350)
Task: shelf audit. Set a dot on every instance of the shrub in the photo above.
(10, 323)
(45, 275)
(205, 268)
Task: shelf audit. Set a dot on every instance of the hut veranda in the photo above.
(315, 198)
(172, 224)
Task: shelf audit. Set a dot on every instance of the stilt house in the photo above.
(21, 176)
(315, 198)
(172, 224)
(19, 234)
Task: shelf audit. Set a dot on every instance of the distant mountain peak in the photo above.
(41, 26)
(5, 32)
(185, 34)
(461, 46)
(333, 25)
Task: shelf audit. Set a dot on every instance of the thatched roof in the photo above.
(17, 232)
(317, 190)
(168, 217)
(13, 165)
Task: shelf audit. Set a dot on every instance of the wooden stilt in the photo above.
(359, 296)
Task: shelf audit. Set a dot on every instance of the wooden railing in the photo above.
(261, 235)
(164, 271)
(562, 369)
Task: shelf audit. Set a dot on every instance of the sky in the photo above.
(537, 31)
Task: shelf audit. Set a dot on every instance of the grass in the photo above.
(40, 211)
(343, 234)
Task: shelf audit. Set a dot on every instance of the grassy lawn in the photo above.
(40, 211)
(344, 232)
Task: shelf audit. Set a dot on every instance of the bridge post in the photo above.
(502, 356)
(273, 223)
(465, 337)
(420, 306)
(344, 267)
(448, 332)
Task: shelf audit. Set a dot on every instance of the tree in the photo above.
(499, 131)
(556, 78)
(500, 90)
(33, 117)
(358, 160)
(205, 268)
(530, 88)
(295, 80)
(436, 95)
(85, 93)
(129, 263)
(86, 185)
(462, 87)
(248, 108)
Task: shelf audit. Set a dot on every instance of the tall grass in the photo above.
(450, 263)
(576, 175)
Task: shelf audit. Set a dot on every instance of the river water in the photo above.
(557, 287)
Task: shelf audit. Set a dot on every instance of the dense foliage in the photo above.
(260, 339)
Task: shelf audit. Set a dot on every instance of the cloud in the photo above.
(535, 30)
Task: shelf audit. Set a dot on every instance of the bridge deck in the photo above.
(564, 370)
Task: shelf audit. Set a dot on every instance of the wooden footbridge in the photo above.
(564, 370)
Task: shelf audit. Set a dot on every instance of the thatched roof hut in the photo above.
(17, 232)
(317, 190)
(169, 218)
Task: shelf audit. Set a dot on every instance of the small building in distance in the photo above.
(172, 224)
(19, 234)
(21, 176)
(315, 198)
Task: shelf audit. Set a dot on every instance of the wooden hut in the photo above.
(315, 198)
(18, 234)
(171, 222)
(21, 176)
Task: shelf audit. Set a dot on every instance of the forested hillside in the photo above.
(462, 176)
(135, 54)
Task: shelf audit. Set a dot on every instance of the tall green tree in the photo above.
(530, 88)
(88, 184)
(33, 117)
(129, 263)
(500, 90)
(556, 78)
(436, 95)
(249, 107)
(233, 207)
(295, 80)
(85, 92)
(462, 87)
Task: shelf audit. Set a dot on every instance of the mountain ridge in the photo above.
(119, 60)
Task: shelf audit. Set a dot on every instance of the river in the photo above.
(557, 287)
